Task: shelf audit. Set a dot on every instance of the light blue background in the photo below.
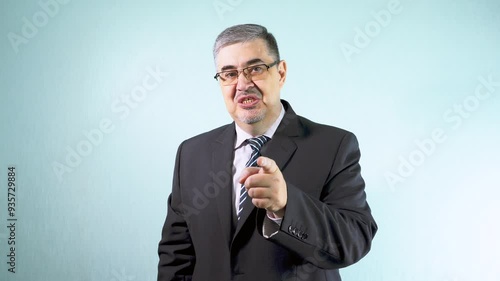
(102, 220)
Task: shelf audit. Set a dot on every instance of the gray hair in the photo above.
(244, 33)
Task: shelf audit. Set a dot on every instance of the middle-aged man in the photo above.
(297, 212)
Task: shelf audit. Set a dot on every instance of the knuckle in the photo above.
(249, 182)
(257, 203)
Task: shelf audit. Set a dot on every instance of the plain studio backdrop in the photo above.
(96, 96)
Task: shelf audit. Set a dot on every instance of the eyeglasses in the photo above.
(253, 73)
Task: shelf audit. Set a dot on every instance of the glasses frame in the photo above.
(244, 71)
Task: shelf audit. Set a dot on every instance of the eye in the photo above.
(229, 74)
(257, 69)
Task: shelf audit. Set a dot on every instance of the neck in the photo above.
(259, 128)
(254, 129)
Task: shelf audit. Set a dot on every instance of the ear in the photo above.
(282, 72)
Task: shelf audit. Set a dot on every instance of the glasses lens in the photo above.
(252, 73)
(256, 72)
(228, 77)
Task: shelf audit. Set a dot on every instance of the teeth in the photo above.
(247, 101)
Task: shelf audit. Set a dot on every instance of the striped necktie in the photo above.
(256, 144)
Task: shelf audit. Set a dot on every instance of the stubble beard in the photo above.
(252, 116)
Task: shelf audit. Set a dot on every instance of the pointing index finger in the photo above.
(267, 164)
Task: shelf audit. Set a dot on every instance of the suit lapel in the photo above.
(222, 163)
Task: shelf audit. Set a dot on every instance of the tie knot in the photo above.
(257, 142)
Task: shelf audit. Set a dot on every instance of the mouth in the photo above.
(248, 101)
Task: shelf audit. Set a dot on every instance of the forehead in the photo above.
(240, 54)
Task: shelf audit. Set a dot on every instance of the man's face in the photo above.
(252, 103)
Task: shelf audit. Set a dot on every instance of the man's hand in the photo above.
(266, 186)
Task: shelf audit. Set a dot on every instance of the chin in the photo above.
(251, 119)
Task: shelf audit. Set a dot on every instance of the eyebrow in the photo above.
(250, 62)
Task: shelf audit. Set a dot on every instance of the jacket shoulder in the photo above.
(207, 137)
(314, 127)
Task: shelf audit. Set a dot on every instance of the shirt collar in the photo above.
(242, 136)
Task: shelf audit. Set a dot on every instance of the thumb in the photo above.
(248, 172)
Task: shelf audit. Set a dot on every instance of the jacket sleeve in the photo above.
(335, 230)
(175, 250)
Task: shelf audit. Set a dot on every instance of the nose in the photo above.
(243, 82)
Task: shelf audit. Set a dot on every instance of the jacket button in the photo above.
(290, 228)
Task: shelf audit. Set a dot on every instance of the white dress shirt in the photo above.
(242, 152)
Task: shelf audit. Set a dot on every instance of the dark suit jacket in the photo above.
(327, 223)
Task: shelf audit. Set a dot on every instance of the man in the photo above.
(297, 212)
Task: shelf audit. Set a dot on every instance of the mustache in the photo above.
(249, 91)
